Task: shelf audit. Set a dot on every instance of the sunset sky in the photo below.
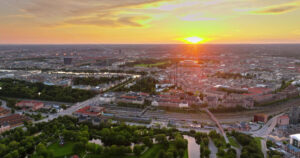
(148, 21)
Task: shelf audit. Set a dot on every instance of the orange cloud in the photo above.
(115, 13)
(109, 21)
(279, 9)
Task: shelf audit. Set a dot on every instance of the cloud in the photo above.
(92, 12)
(197, 17)
(279, 9)
(109, 21)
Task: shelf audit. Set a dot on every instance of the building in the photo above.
(260, 118)
(107, 98)
(89, 112)
(283, 120)
(215, 93)
(4, 112)
(294, 115)
(212, 101)
(67, 61)
(294, 146)
(170, 103)
(4, 127)
(244, 126)
(130, 99)
(30, 105)
(14, 120)
(189, 63)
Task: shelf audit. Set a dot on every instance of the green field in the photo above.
(151, 65)
(186, 154)
(101, 156)
(152, 152)
(233, 142)
(62, 151)
(66, 150)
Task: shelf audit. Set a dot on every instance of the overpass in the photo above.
(92, 101)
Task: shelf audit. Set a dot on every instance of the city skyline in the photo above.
(149, 21)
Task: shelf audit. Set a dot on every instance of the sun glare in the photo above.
(193, 40)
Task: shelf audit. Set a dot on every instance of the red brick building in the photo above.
(260, 118)
(14, 120)
(31, 105)
(4, 112)
(89, 111)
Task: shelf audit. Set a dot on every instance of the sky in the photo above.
(148, 21)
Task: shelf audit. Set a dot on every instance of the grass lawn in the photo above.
(233, 142)
(151, 65)
(61, 151)
(186, 154)
(152, 152)
(101, 156)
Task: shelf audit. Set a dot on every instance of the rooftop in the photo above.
(295, 136)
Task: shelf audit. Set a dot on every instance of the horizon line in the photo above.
(267, 43)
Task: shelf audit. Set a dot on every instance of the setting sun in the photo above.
(193, 40)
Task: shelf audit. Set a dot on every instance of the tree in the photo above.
(3, 149)
(15, 153)
(161, 154)
(169, 155)
(78, 148)
(138, 150)
(161, 138)
(231, 153)
(93, 148)
(206, 152)
(180, 143)
(64, 106)
(42, 151)
(9, 155)
(13, 145)
(147, 141)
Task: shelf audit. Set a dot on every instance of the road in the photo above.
(213, 149)
(267, 128)
(264, 147)
(265, 131)
(237, 149)
(92, 101)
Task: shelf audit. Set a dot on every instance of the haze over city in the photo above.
(149, 79)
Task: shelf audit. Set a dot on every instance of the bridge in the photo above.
(218, 124)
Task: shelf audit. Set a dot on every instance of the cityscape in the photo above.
(104, 79)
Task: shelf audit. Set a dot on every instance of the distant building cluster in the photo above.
(11, 121)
